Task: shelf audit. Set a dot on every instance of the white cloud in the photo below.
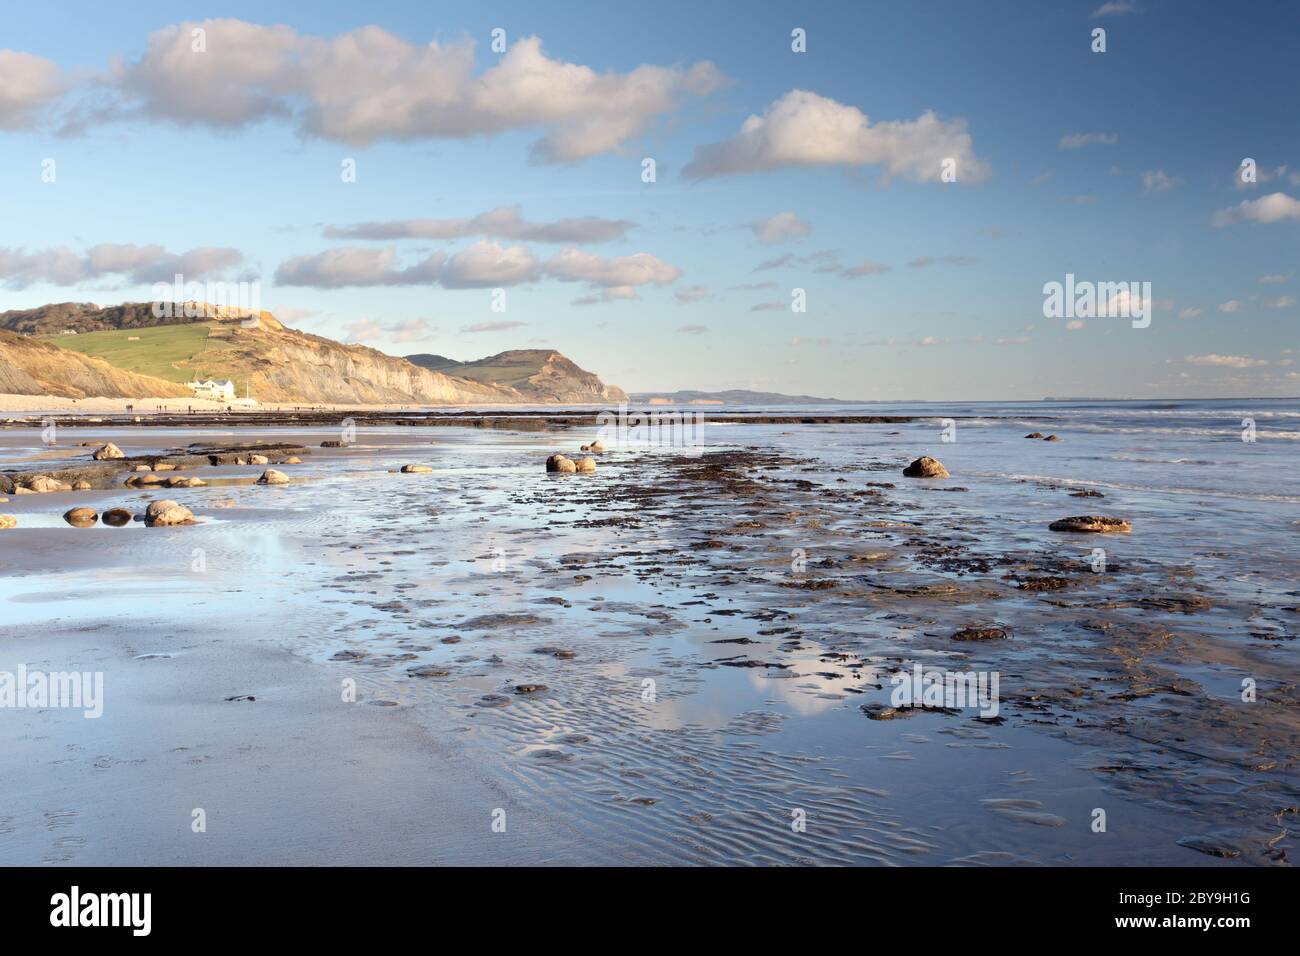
(352, 266)
(1224, 361)
(1276, 278)
(780, 228)
(805, 129)
(695, 293)
(478, 327)
(1275, 207)
(1281, 302)
(1114, 8)
(363, 330)
(1264, 175)
(505, 222)
(140, 265)
(641, 268)
(1158, 181)
(693, 329)
(1189, 313)
(1080, 140)
(924, 262)
(369, 85)
(867, 268)
(485, 265)
(27, 84)
(1229, 307)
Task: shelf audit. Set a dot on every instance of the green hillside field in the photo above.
(170, 352)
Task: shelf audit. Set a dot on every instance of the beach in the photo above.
(690, 656)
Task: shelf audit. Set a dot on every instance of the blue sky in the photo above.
(1112, 166)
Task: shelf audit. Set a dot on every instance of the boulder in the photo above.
(1094, 524)
(585, 464)
(258, 460)
(416, 470)
(116, 517)
(292, 460)
(143, 468)
(43, 484)
(107, 451)
(273, 477)
(333, 443)
(177, 481)
(1034, 435)
(561, 464)
(167, 513)
(926, 467)
(595, 447)
(164, 466)
(8, 521)
(149, 479)
(81, 517)
(1051, 438)
(82, 485)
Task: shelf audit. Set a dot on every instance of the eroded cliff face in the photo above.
(283, 365)
(540, 376)
(31, 367)
(560, 380)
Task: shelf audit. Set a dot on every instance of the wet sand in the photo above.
(442, 595)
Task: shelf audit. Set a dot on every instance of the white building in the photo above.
(217, 391)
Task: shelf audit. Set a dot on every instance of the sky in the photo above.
(857, 200)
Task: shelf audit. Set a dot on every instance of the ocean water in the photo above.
(1121, 692)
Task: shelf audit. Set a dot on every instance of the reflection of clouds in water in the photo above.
(800, 686)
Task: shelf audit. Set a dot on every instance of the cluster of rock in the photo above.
(927, 467)
(567, 466)
(564, 465)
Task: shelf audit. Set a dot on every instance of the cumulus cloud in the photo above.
(1114, 8)
(504, 222)
(1231, 306)
(616, 275)
(1265, 175)
(1189, 313)
(1281, 302)
(409, 330)
(27, 85)
(363, 330)
(867, 268)
(369, 85)
(1224, 361)
(486, 265)
(1080, 140)
(140, 265)
(926, 261)
(805, 129)
(351, 266)
(1275, 207)
(483, 265)
(782, 227)
(491, 327)
(1158, 181)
